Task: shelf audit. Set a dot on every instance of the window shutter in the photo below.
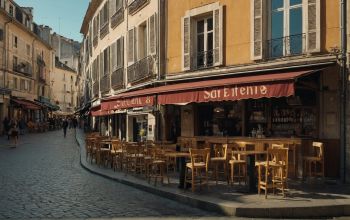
(218, 50)
(131, 55)
(101, 65)
(186, 43)
(121, 49)
(313, 34)
(114, 56)
(112, 7)
(152, 21)
(257, 11)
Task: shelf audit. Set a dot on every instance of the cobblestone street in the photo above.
(42, 178)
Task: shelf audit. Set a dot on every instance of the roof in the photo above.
(93, 6)
(60, 65)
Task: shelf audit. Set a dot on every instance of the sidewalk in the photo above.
(318, 200)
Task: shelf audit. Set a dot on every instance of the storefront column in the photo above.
(347, 156)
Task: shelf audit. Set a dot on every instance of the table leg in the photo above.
(251, 173)
(182, 166)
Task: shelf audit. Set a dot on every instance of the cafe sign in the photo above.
(125, 103)
(229, 93)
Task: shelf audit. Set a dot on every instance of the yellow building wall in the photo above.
(237, 28)
(236, 43)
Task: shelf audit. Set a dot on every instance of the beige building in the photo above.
(64, 88)
(26, 63)
(122, 52)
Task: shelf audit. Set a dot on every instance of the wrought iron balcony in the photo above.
(105, 84)
(141, 70)
(136, 5)
(117, 18)
(24, 68)
(293, 45)
(117, 79)
(95, 88)
(205, 59)
(104, 30)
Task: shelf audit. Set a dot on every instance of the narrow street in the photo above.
(42, 178)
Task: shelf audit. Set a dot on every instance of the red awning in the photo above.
(124, 103)
(99, 113)
(26, 104)
(235, 88)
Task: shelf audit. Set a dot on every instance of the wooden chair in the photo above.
(115, 153)
(313, 165)
(239, 162)
(220, 158)
(273, 174)
(158, 167)
(198, 166)
(134, 158)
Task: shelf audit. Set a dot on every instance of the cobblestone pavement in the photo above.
(42, 178)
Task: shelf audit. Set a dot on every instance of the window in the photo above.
(15, 83)
(202, 34)
(204, 45)
(15, 41)
(286, 20)
(15, 63)
(28, 49)
(22, 86)
(64, 77)
(64, 88)
(104, 17)
(285, 27)
(1, 34)
(143, 41)
(117, 54)
(11, 10)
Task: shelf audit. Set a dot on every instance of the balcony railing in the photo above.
(105, 84)
(141, 70)
(117, 18)
(117, 79)
(95, 88)
(136, 5)
(293, 45)
(104, 30)
(205, 59)
(26, 69)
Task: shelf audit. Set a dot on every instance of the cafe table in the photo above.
(182, 164)
(250, 159)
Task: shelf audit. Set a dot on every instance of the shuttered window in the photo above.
(313, 25)
(152, 27)
(202, 38)
(257, 29)
(131, 46)
(294, 28)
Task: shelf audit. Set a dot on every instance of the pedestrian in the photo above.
(65, 125)
(14, 132)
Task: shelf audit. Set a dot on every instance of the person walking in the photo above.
(65, 125)
(14, 132)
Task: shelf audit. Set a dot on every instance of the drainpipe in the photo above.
(344, 78)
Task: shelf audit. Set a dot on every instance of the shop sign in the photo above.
(230, 93)
(125, 103)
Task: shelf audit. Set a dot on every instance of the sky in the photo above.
(63, 16)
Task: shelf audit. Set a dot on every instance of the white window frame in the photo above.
(286, 21)
(192, 15)
(205, 33)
